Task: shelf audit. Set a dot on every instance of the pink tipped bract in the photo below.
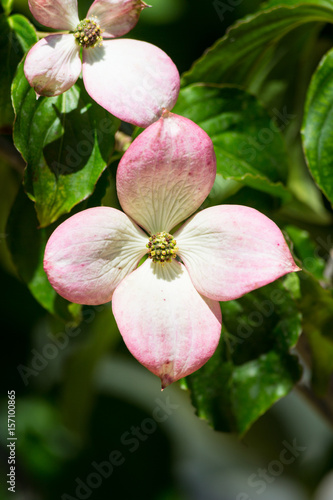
(167, 173)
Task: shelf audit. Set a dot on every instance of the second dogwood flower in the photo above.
(131, 79)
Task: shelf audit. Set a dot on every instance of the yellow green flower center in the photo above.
(88, 33)
(162, 247)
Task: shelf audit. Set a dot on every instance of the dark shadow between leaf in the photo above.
(70, 152)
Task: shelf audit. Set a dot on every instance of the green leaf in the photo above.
(7, 6)
(248, 144)
(317, 130)
(248, 45)
(25, 32)
(308, 252)
(17, 35)
(291, 3)
(255, 386)
(27, 244)
(268, 317)
(66, 142)
(252, 367)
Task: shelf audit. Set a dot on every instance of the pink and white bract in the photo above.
(167, 309)
(131, 79)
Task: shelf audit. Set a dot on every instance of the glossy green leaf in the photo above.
(252, 367)
(255, 386)
(309, 253)
(25, 32)
(292, 3)
(248, 45)
(66, 142)
(317, 131)
(268, 317)
(17, 35)
(248, 143)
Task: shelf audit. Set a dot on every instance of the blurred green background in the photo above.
(83, 401)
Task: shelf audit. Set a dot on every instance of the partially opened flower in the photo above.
(133, 80)
(167, 309)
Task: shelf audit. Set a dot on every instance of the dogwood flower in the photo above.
(167, 309)
(131, 79)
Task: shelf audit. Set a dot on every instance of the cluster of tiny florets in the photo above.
(88, 33)
(162, 247)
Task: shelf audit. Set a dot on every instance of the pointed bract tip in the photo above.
(144, 5)
(167, 376)
(165, 381)
(293, 267)
(37, 96)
